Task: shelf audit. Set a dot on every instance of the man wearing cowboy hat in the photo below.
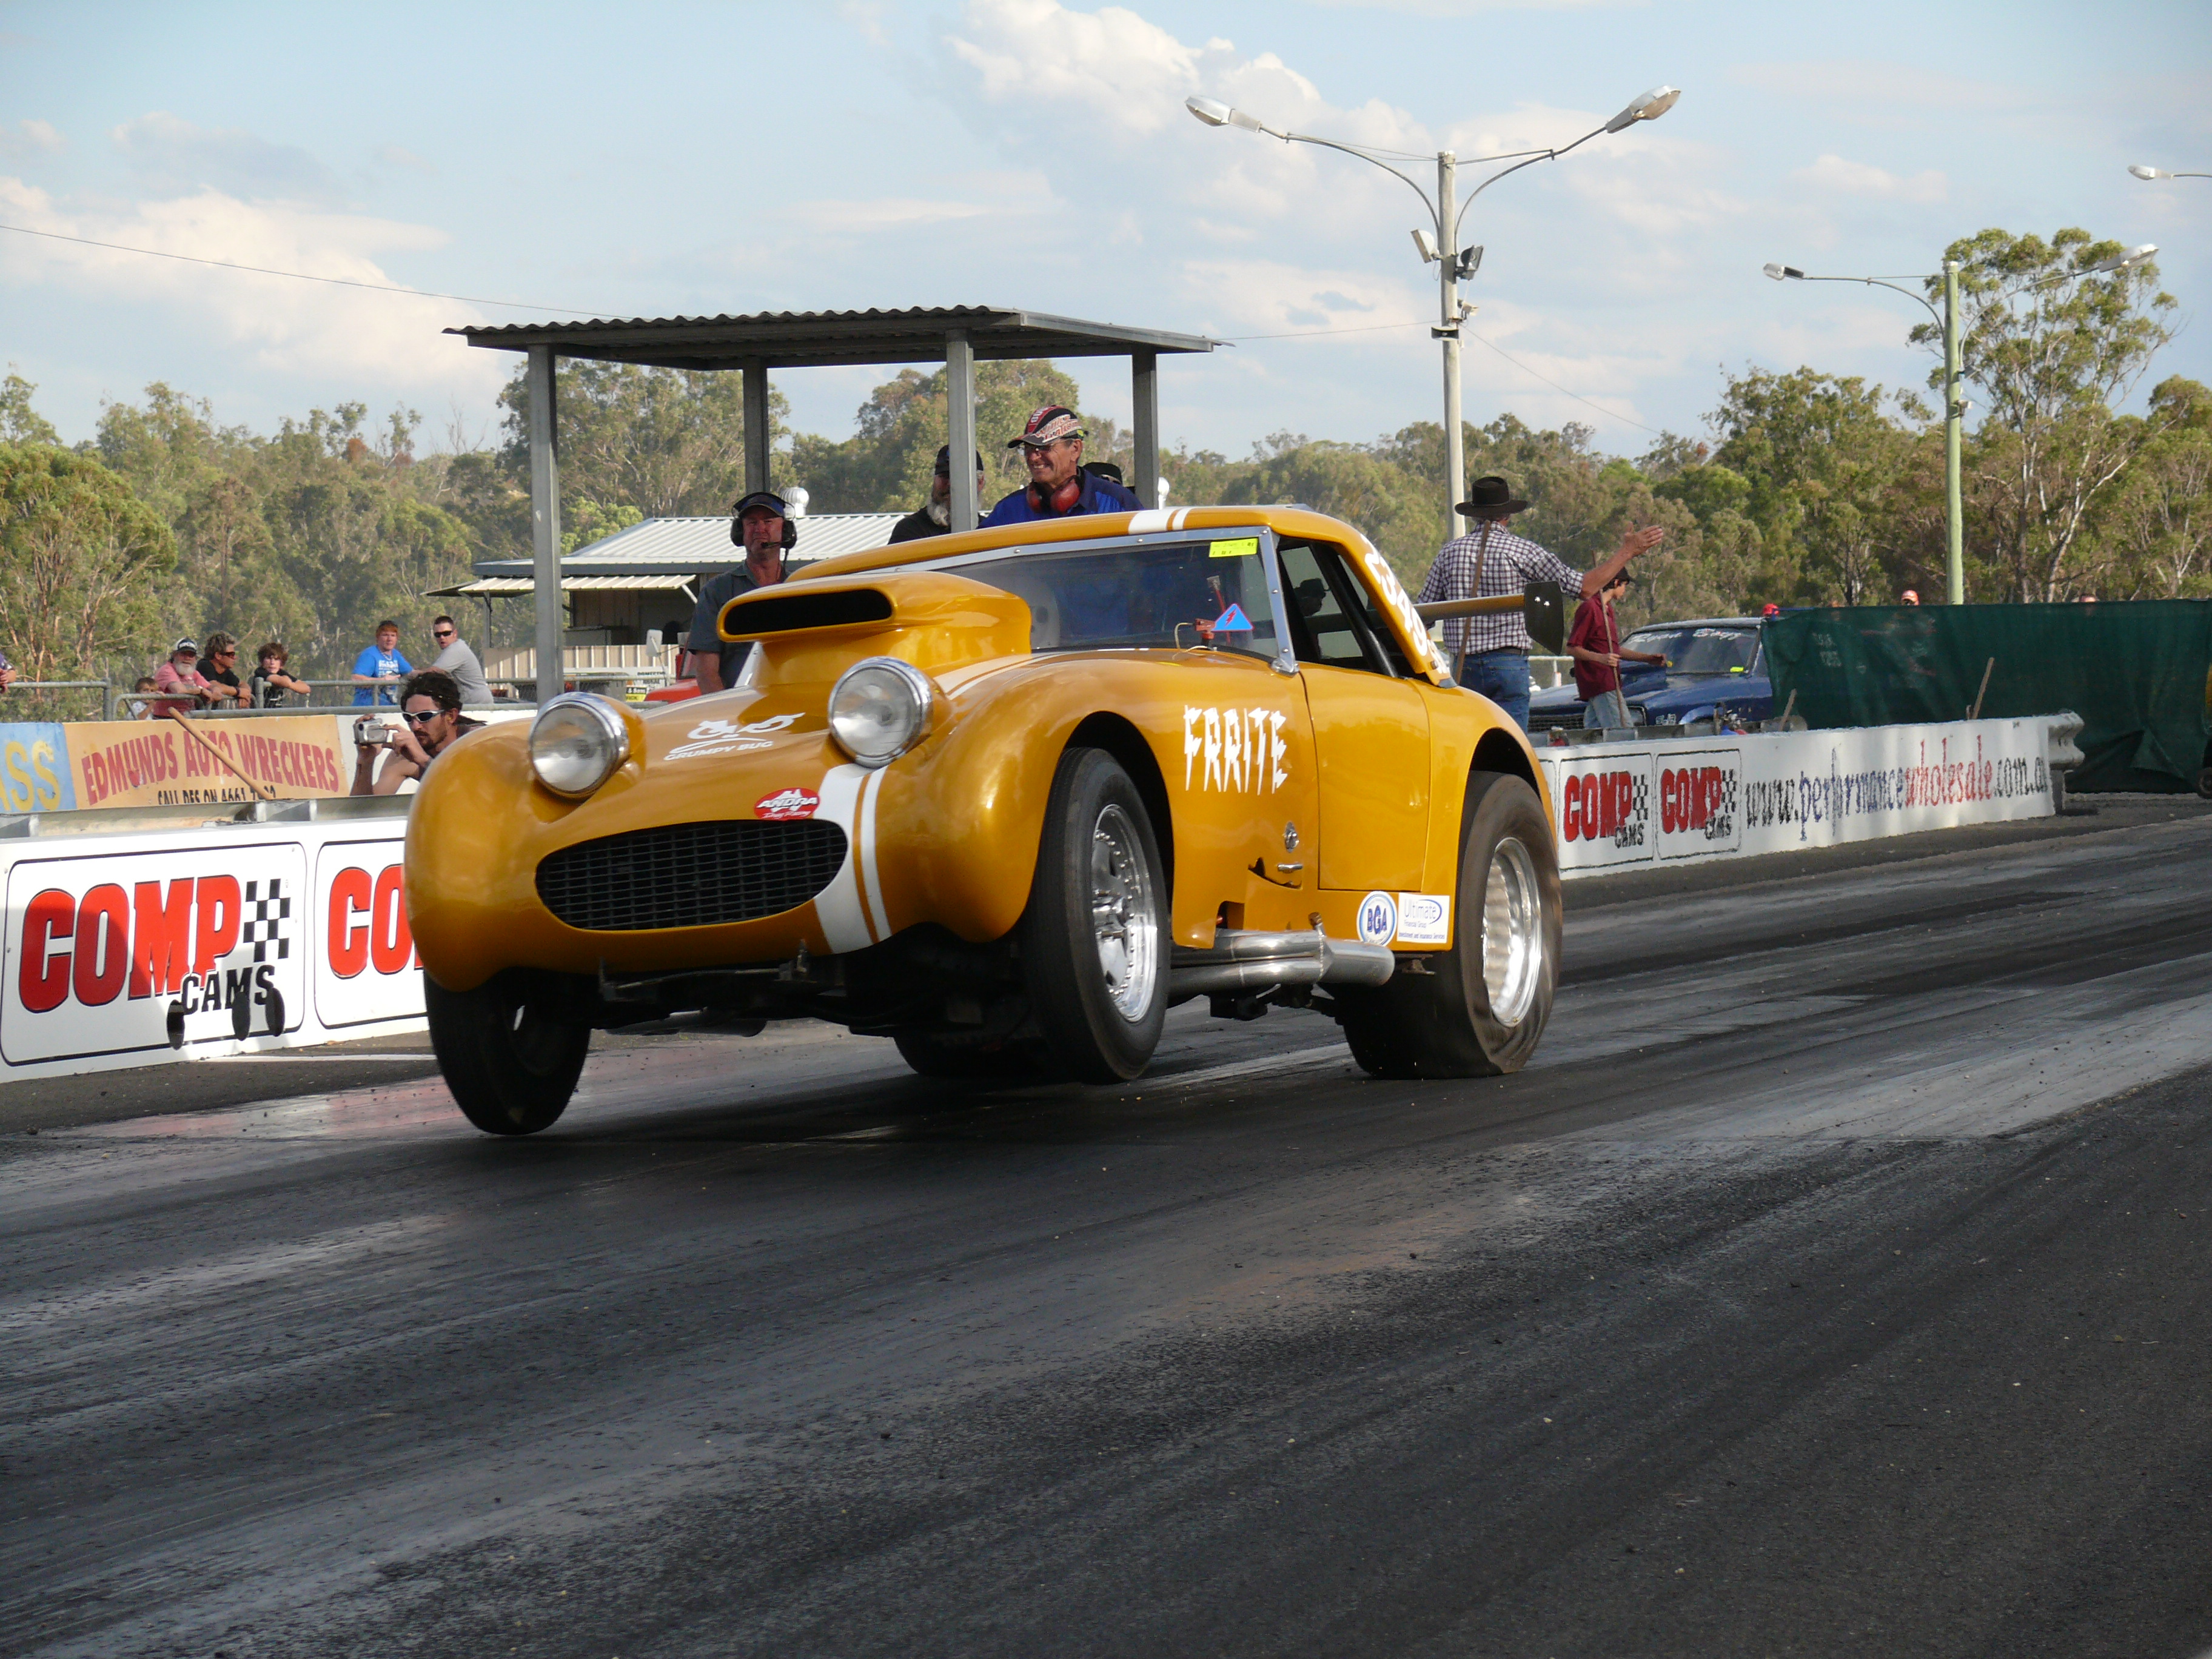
(1060, 484)
(1490, 653)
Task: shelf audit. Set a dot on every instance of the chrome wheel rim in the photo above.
(1124, 914)
(1512, 932)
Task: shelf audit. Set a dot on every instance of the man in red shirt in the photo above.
(180, 682)
(1595, 643)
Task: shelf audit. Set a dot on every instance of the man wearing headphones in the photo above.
(759, 524)
(1060, 484)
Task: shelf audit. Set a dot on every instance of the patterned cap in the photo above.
(1049, 425)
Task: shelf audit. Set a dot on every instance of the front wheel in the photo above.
(511, 1050)
(1481, 1008)
(1094, 938)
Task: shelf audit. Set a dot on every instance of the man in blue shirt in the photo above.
(1059, 485)
(380, 664)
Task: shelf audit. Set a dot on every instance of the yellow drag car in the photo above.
(1004, 797)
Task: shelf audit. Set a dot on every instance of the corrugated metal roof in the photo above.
(497, 587)
(790, 340)
(692, 547)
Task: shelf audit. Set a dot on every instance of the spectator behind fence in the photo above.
(379, 665)
(141, 708)
(183, 691)
(221, 672)
(272, 687)
(455, 658)
(430, 706)
(1595, 644)
(7, 671)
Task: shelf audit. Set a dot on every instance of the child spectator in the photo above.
(141, 708)
(272, 687)
(381, 666)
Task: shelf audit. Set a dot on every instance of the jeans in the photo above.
(1607, 709)
(1502, 677)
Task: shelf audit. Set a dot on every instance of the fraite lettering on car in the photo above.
(1240, 751)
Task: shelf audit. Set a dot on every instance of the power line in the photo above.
(300, 276)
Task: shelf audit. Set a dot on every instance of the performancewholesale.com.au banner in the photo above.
(1622, 805)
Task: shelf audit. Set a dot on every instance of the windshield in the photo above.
(1699, 650)
(1182, 595)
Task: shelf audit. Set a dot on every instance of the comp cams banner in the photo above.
(1622, 805)
(127, 950)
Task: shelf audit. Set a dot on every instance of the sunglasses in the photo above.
(421, 716)
(441, 633)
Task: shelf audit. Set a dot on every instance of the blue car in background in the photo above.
(1714, 664)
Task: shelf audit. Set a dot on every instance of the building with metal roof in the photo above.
(956, 335)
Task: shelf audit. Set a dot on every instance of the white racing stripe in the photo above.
(839, 906)
(872, 885)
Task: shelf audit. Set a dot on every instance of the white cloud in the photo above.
(283, 325)
(1865, 89)
(31, 137)
(399, 155)
(171, 155)
(1468, 8)
(885, 213)
(1833, 174)
(1112, 64)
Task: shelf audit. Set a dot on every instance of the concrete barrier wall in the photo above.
(184, 942)
(134, 937)
(1622, 805)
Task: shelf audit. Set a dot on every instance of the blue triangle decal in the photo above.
(1233, 620)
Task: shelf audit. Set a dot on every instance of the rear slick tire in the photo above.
(511, 1050)
(1481, 1008)
(1094, 938)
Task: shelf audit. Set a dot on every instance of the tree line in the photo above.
(1807, 487)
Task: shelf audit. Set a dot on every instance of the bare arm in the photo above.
(1632, 543)
(707, 669)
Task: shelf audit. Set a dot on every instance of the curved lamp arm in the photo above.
(1331, 143)
(1791, 273)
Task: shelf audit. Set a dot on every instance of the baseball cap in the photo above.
(767, 498)
(1048, 426)
(945, 460)
(193, 646)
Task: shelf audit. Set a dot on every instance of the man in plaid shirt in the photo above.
(1489, 653)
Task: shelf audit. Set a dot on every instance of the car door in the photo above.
(1371, 727)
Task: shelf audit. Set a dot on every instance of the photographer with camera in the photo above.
(430, 708)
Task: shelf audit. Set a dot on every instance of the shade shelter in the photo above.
(956, 335)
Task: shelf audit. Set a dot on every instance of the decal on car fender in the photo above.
(792, 802)
(1378, 919)
(723, 737)
(1236, 751)
(1424, 918)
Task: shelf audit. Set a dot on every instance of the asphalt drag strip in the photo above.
(1834, 1283)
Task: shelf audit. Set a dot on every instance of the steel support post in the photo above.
(545, 519)
(960, 426)
(756, 428)
(1144, 401)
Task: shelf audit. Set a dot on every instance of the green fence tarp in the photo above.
(2139, 673)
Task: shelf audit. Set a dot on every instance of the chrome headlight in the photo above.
(576, 742)
(880, 709)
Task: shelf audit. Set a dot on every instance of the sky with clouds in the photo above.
(665, 159)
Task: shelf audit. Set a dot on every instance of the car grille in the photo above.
(691, 875)
(1556, 720)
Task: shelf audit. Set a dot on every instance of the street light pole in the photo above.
(1954, 410)
(1456, 263)
(1447, 330)
(1954, 417)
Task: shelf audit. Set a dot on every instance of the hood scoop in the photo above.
(757, 616)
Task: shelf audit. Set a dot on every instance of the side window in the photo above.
(1333, 619)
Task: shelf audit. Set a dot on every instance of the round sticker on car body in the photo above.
(1378, 919)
